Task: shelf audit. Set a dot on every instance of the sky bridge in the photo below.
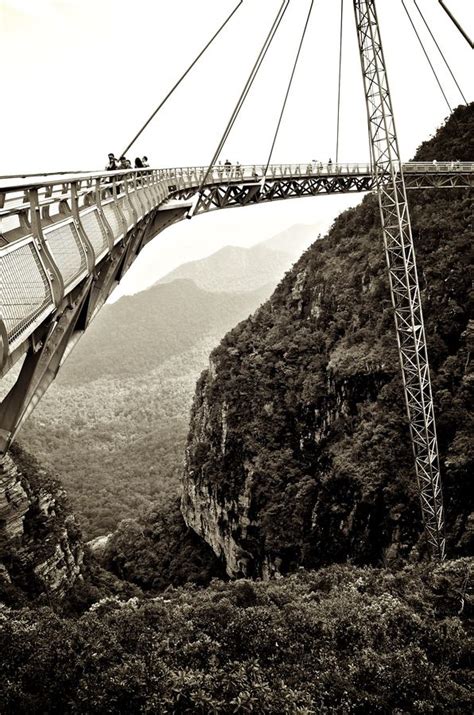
(59, 230)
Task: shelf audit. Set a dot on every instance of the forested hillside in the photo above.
(341, 640)
(299, 451)
(117, 444)
(139, 332)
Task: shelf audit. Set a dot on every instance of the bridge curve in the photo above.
(67, 239)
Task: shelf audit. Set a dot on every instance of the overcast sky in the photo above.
(79, 77)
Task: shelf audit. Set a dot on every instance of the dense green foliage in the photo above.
(455, 141)
(343, 640)
(117, 444)
(315, 424)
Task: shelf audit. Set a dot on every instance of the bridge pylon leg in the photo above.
(401, 262)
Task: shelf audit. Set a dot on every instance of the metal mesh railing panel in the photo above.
(95, 232)
(127, 211)
(24, 290)
(151, 198)
(68, 252)
(113, 218)
(136, 202)
(144, 199)
(154, 191)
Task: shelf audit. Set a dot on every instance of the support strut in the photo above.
(403, 277)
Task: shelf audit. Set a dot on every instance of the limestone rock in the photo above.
(41, 550)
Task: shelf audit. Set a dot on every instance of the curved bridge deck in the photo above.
(56, 230)
(67, 239)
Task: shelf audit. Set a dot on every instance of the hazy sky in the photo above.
(79, 77)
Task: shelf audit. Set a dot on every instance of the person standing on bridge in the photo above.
(138, 163)
(112, 165)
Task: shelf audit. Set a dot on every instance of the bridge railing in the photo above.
(417, 167)
(252, 172)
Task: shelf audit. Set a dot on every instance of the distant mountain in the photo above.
(293, 241)
(235, 268)
(139, 332)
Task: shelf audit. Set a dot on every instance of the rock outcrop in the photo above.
(298, 451)
(41, 550)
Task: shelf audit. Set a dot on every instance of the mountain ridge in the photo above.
(239, 268)
(138, 332)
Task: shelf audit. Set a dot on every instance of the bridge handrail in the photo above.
(68, 178)
(54, 178)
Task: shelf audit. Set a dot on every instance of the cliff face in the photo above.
(298, 451)
(40, 546)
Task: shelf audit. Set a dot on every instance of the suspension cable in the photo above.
(426, 54)
(440, 52)
(339, 81)
(288, 88)
(261, 56)
(451, 16)
(175, 86)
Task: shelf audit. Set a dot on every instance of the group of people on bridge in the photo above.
(115, 164)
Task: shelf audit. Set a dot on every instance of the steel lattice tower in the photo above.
(401, 262)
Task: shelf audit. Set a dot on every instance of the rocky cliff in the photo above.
(298, 451)
(40, 546)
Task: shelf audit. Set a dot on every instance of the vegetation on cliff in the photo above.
(298, 438)
(157, 550)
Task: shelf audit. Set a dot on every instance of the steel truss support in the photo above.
(42, 362)
(223, 195)
(404, 285)
(226, 195)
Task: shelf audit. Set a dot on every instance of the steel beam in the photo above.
(41, 366)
